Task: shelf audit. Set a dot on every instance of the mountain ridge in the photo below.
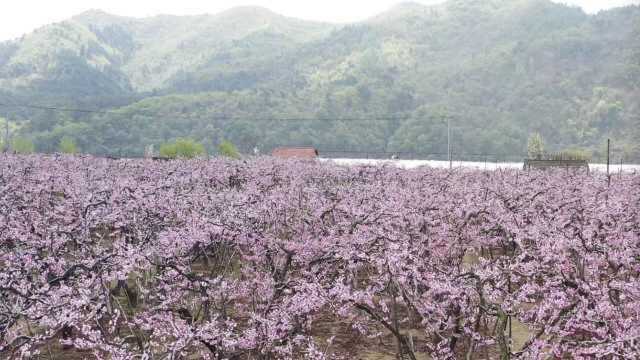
(509, 68)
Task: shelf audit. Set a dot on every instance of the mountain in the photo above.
(146, 54)
(502, 69)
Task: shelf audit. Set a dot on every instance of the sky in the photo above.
(18, 17)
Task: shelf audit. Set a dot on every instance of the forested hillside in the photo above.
(501, 69)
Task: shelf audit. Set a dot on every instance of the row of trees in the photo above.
(22, 145)
(272, 259)
(180, 148)
(189, 148)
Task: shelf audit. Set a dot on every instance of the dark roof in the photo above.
(295, 152)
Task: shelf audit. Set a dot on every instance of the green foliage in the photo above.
(22, 145)
(535, 146)
(169, 150)
(227, 149)
(495, 65)
(573, 154)
(182, 148)
(12, 128)
(68, 146)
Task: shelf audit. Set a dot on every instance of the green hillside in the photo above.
(502, 69)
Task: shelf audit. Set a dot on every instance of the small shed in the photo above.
(295, 152)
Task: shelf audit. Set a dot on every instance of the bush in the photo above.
(169, 150)
(182, 148)
(67, 146)
(22, 146)
(227, 149)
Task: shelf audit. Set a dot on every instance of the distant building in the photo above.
(295, 152)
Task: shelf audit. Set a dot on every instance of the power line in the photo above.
(222, 118)
(52, 108)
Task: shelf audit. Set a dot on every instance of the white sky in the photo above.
(18, 17)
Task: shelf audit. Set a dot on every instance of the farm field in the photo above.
(275, 259)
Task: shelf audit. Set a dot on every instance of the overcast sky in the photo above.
(18, 17)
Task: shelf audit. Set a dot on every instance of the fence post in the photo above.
(608, 161)
(608, 154)
(621, 161)
(6, 135)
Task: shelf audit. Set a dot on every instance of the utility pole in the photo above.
(449, 142)
(608, 154)
(6, 135)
